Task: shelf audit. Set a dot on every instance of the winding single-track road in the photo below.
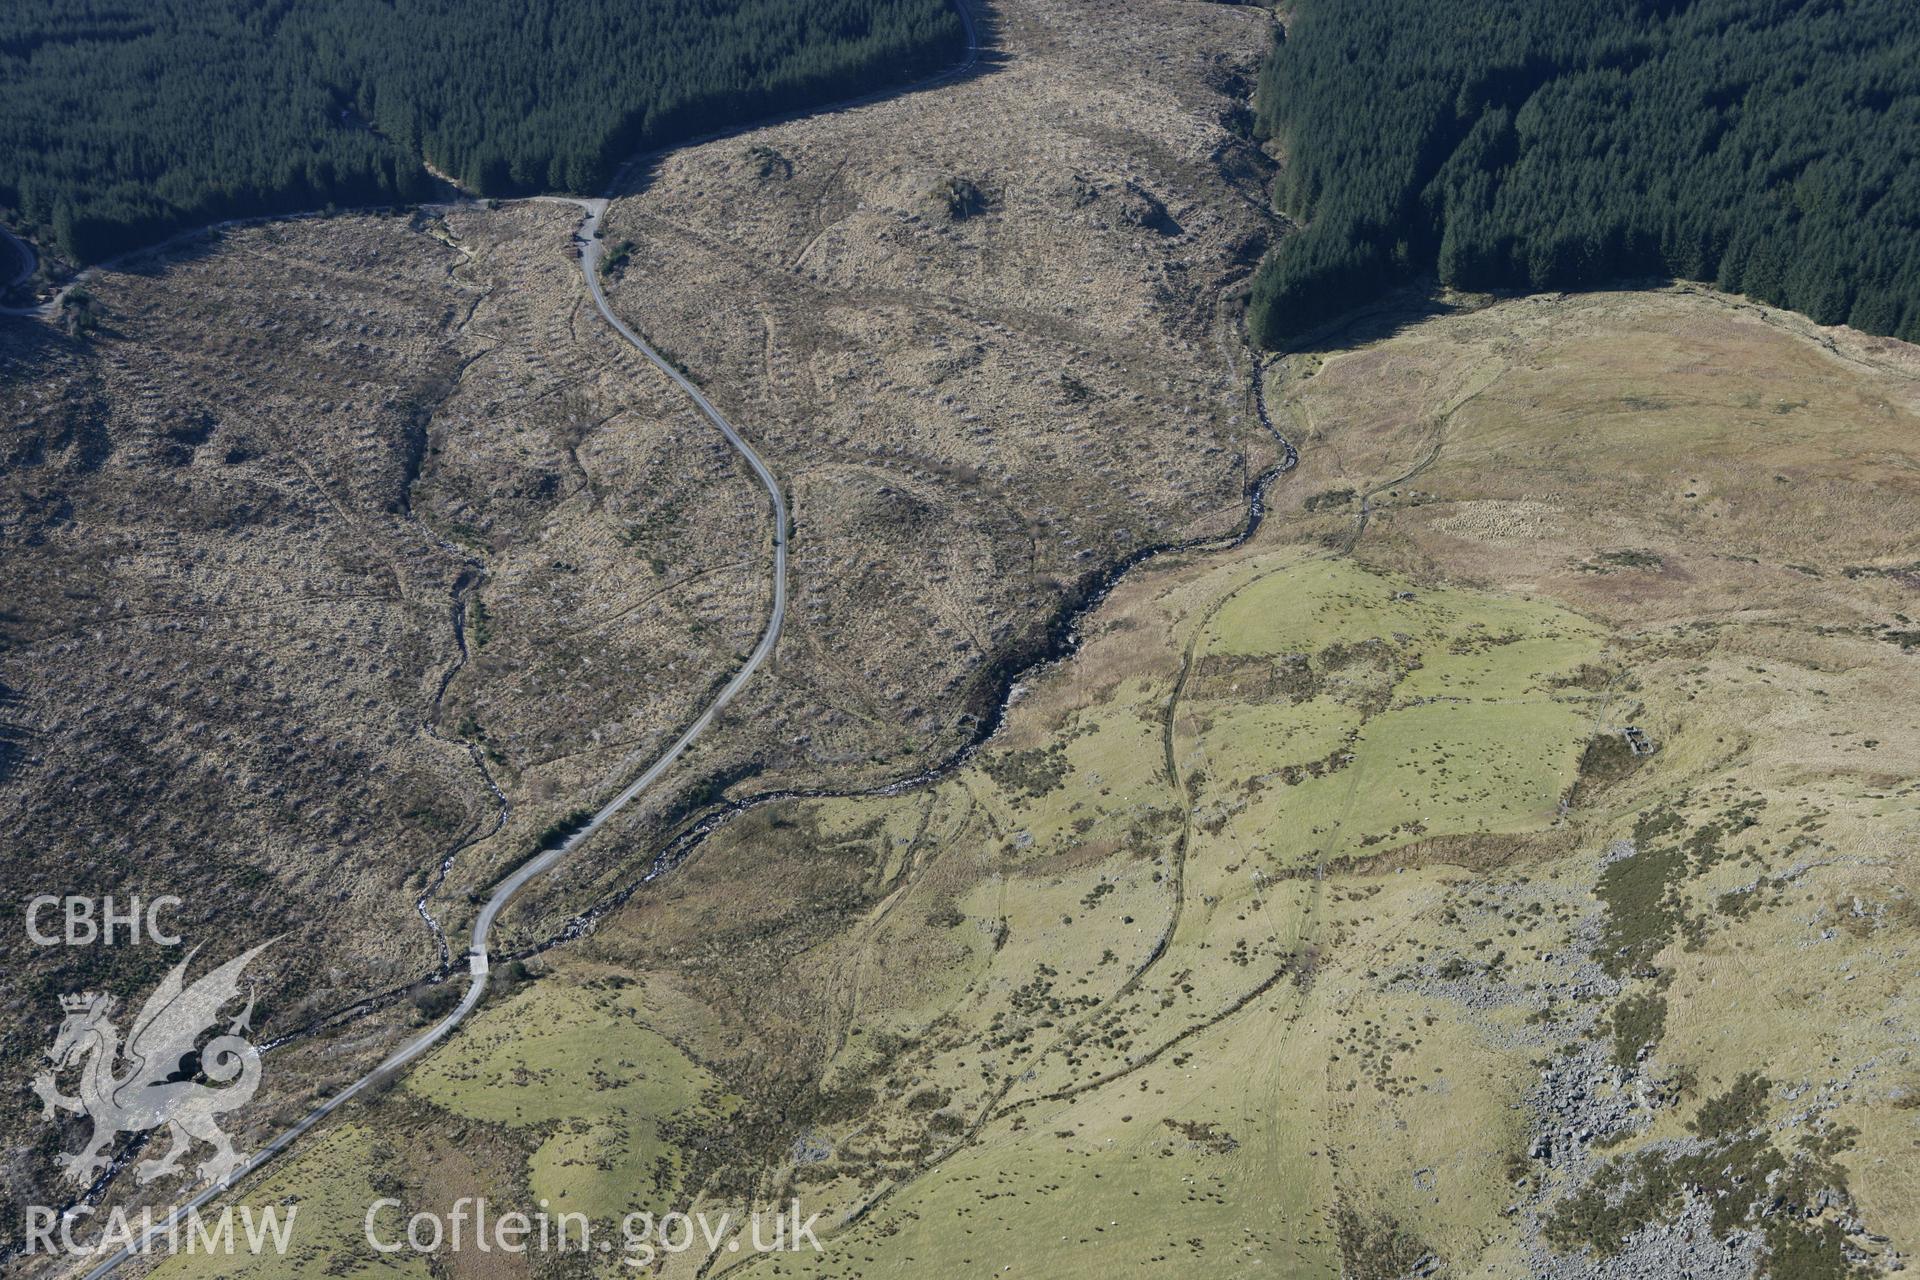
(505, 892)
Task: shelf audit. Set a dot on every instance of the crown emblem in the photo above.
(79, 1002)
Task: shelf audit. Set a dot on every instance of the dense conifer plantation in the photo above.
(1769, 146)
(123, 120)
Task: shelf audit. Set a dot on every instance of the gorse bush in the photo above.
(1767, 146)
(121, 122)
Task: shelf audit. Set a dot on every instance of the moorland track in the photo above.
(1063, 644)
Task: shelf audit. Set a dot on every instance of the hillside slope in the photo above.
(1317, 917)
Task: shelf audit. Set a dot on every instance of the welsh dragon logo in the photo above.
(153, 1080)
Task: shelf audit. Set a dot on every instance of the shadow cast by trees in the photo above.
(208, 112)
(984, 57)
